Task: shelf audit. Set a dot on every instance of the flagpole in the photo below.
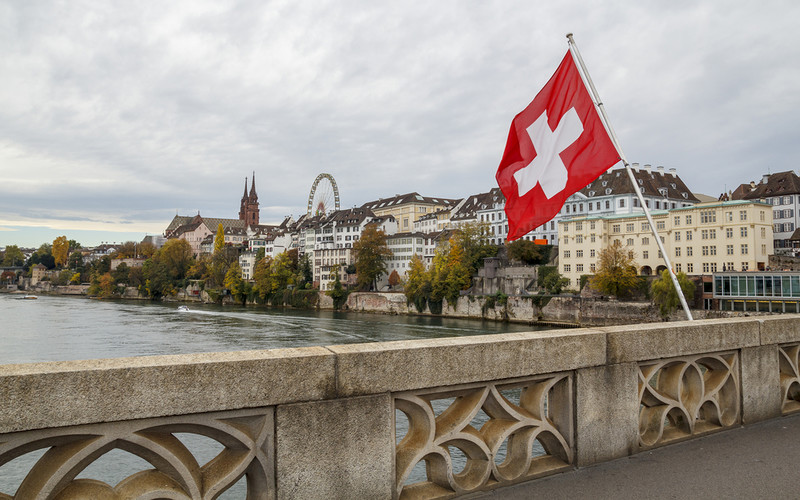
(573, 48)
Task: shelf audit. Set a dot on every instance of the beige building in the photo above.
(407, 208)
(702, 239)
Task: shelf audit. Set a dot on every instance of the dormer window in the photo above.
(608, 190)
(605, 183)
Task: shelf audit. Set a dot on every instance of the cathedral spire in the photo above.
(245, 188)
(253, 194)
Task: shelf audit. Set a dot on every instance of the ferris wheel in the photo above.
(324, 195)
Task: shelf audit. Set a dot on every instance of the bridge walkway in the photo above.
(757, 461)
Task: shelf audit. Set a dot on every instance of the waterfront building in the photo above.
(782, 191)
(407, 208)
(700, 239)
(757, 291)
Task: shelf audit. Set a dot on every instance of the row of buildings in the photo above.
(702, 235)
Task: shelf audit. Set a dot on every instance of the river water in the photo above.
(54, 328)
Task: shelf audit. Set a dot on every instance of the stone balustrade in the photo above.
(410, 419)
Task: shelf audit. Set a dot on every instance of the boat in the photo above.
(27, 297)
(183, 308)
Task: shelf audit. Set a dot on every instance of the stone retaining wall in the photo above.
(320, 422)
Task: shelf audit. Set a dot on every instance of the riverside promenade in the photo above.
(756, 461)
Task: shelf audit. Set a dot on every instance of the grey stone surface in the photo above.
(607, 413)
(780, 329)
(41, 395)
(655, 341)
(761, 386)
(407, 365)
(335, 449)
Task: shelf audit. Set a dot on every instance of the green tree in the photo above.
(13, 256)
(337, 293)
(616, 271)
(176, 255)
(371, 253)
(60, 250)
(473, 239)
(528, 252)
(76, 261)
(305, 271)
(120, 274)
(664, 294)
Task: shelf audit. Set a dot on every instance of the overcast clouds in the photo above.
(115, 115)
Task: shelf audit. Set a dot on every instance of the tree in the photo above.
(528, 252)
(337, 293)
(616, 270)
(394, 278)
(176, 255)
(664, 294)
(219, 239)
(13, 256)
(371, 254)
(417, 288)
(473, 239)
(76, 261)
(60, 250)
(235, 284)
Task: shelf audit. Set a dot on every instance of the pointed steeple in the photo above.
(253, 194)
(245, 188)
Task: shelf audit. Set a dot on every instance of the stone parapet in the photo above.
(356, 420)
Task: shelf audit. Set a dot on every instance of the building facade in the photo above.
(701, 239)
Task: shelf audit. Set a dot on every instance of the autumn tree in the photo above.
(371, 253)
(394, 278)
(616, 271)
(60, 250)
(272, 276)
(417, 287)
(235, 284)
(472, 237)
(664, 293)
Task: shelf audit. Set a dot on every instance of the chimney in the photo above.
(765, 179)
(660, 169)
(647, 167)
(673, 172)
(635, 166)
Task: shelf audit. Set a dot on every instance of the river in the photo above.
(57, 328)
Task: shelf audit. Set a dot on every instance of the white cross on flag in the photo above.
(556, 146)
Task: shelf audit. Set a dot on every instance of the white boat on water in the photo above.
(183, 308)
(27, 297)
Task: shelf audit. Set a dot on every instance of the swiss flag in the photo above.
(556, 146)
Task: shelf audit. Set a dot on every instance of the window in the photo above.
(678, 267)
(566, 268)
(712, 234)
(608, 205)
(729, 232)
(579, 254)
(763, 232)
(729, 249)
(630, 242)
(645, 226)
(677, 251)
(615, 228)
(579, 238)
(645, 241)
(743, 232)
(566, 254)
(689, 267)
(688, 220)
(763, 249)
(579, 268)
(744, 266)
(742, 215)
(688, 236)
(704, 234)
(579, 226)
(744, 248)
(658, 205)
(761, 214)
(705, 267)
(592, 268)
(622, 203)
(688, 251)
(705, 250)
(591, 225)
(677, 220)
(713, 267)
(629, 228)
(592, 238)
(713, 249)
(708, 216)
(645, 254)
(660, 224)
(591, 252)
(677, 236)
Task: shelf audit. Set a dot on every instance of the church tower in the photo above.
(248, 210)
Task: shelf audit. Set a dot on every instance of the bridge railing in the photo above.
(411, 419)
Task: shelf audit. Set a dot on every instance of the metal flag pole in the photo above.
(573, 48)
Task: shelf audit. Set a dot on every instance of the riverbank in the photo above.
(562, 310)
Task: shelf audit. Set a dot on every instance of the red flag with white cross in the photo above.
(556, 146)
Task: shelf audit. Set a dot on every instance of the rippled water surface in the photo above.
(69, 328)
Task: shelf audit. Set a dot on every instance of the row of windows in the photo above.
(782, 214)
(784, 227)
(781, 200)
(757, 286)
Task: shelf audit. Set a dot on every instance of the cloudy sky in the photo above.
(115, 116)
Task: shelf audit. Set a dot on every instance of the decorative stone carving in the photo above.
(789, 359)
(246, 437)
(691, 395)
(485, 421)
